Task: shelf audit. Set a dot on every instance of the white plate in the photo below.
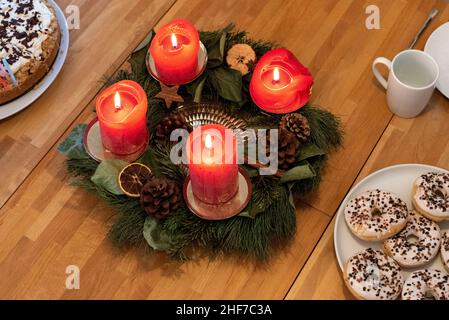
(397, 179)
(438, 47)
(33, 94)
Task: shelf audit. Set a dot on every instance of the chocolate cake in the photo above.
(29, 43)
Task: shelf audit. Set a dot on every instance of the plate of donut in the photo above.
(395, 190)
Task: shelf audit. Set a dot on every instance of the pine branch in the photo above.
(165, 167)
(248, 237)
(326, 129)
(81, 167)
(131, 217)
(128, 228)
(276, 218)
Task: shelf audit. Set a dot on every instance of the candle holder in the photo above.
(280, 83)
(220, 211)
(204, 113)
(95, 149)
(202, 63)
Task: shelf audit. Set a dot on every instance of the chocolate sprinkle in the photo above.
(374, 214)
(426, 284)
(433, 193)
(410, 254)
(445, 249)
(373, 275)
(21, 26)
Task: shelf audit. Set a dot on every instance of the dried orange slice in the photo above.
(133, 177)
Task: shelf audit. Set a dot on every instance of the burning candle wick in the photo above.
(208, 142)
(174, 41)
(117, 101)
(276, 75)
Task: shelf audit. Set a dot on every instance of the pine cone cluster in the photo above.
(296, 124)
(167, 125)
(160, 197)
(288, 148)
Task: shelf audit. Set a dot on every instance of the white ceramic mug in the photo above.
(411, 82)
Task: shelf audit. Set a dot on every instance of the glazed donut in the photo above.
(409, 254)
(426, 284)
(431, 196)
(371, 275)
(445, 250)
(376, 215)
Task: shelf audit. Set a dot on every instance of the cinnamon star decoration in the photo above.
(169, 95)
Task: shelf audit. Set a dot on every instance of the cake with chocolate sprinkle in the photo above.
(29, 43)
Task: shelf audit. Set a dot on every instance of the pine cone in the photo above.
(296, 124)
(288, 148)
(160, 197)
(167, 125)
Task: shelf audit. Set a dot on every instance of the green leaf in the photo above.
(209, 38)
(73, 147)
(252, 172)
(146, 42)
(291, 198)
(309, 151)
(262, 199)
(106, 175)
(298, 173)
(247, 214)
(253, 209)
(195, 89)
(228, 83)
(155, 237)
(149, 159)
(216, 52)
(138, 58)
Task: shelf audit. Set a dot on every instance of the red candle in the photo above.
(280, 83)
(122, 110)
(175, 52)
(211, 154)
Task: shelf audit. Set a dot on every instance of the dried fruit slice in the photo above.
(133, 177)
(241, 57)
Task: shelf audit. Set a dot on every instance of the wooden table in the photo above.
(47, 225)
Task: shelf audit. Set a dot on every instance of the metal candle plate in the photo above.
(200, 114)
(94, 146)
(224, 211)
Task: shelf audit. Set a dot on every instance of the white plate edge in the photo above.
(426, 49)
(54, 71)
(349, 194)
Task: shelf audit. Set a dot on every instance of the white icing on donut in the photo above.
(374, 276)
(24, 26)
(425, 284)
(432, 193)
(361, 217)
(416, 254)
(445, 249)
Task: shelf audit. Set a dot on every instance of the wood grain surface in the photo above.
(421, 140)
(109, 32)
(47, 225)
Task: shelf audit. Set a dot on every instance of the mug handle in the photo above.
(377, 73)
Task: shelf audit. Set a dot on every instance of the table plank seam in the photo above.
(333, 216)
(82, 110)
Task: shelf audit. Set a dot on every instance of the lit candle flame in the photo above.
(276, 75)
(117, 101)
(174, 41)
(208, 141)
